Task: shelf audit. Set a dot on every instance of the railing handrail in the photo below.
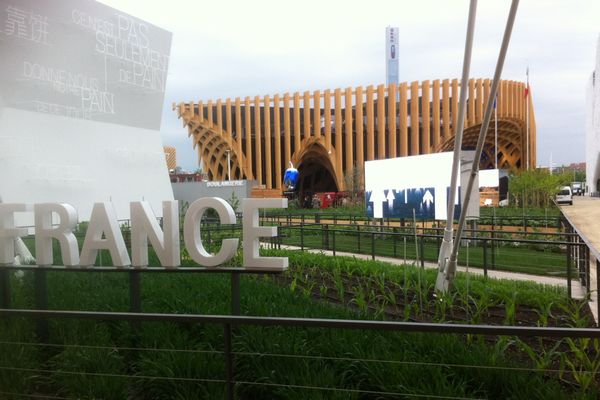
(587, 242)
(312, 323)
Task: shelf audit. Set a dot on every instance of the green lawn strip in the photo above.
(538, 260)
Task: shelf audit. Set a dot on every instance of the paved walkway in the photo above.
(584, 215)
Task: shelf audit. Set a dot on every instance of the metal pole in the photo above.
(598, 288)
(333, 240)
(135, 302)
(228, 362)
(41, 303)
(446, 277)
(448, 231)
(235, 293)
(372, 245)
(4, 287)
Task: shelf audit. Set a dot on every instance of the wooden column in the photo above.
(471, 104)
(327, 115)
(348, 131)
(338, 135)
(317, 114)
(267, 131)
(306, 110)
(257, 142)
(228, 127)
(414, 119)
(480, 101)
(296, 123)
(425, 122)
(370, 125)
(403, 113)
(391, 118)
(287, 145)
(238, 136)
(486, 93)
(435, 117)
(381, 122)
(359, 123)
(454, 102)
(248, 118)
(446, 134)
(201, 111)
(277, 134)
(209, 111)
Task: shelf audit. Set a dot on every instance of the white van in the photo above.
(565, 196)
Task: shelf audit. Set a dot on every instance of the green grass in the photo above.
(270, 358)
(540, 259)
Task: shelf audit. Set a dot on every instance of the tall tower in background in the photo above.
(391, 55)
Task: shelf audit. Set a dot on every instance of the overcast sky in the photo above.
(226, 49)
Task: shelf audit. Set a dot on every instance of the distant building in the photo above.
(257, 138)
(592, 147)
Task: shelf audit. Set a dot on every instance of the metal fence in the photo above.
(586, 257)
(228, 353)
(549, 254)
(574, 251)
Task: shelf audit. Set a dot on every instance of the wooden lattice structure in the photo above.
(326, 134)
(171, 157)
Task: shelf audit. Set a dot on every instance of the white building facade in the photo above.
(592, 145)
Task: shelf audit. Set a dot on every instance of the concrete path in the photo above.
(584, 216)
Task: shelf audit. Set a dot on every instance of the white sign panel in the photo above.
(81, 59)
(80, 106)
(399, 187)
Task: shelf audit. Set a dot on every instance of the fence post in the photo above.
(586, 261)
(422, 251)
(302, 234)
(209, 247)
(41, 303)
(229, 362)
(485, 266)
(372, 245)
(569, 267)
(135, 301)
(4, 287)
(235, 293)
(325, 237)
(494, 246)
(333, 239)
(394, 240)
(598, 288)
(358, 236)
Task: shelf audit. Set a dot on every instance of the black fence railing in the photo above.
(586, 257)
(550, 254)
(523, 221)
(230, 325)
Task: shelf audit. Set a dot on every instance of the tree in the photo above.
(535, 188)
(354, 183)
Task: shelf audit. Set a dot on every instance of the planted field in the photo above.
(113, 360)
